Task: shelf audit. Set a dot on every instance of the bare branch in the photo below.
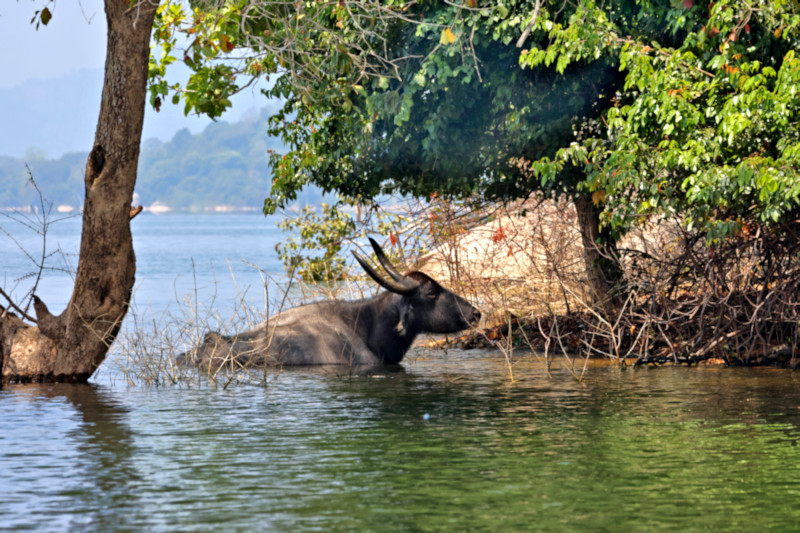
(531, 24)
(14, 306)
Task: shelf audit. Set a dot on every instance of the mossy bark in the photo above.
(72, 345)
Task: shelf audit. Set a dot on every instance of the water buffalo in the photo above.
(371, 331)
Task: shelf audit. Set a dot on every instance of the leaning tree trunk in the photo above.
(72, 345)
(600, 255)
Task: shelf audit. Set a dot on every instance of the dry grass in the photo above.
(149, 346)
(146, 350)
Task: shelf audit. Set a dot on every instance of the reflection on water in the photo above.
(63, 448)
(677, 448)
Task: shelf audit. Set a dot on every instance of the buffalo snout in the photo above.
(476, 317)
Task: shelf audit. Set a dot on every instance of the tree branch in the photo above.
(16, 308)
(51, 326)
(527, 31)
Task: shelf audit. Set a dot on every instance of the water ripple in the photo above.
(444, 444)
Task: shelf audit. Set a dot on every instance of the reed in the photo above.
(147, 350)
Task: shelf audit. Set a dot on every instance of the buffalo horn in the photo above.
(399, 287)
(384, 261)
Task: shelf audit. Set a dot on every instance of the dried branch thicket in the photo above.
(147, 349)
(738, 301)
(160, 349)
(680, 301)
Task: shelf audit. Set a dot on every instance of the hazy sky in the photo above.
(75, 40)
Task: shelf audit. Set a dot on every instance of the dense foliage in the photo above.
(458, 111)
(654, 107)
(438, 103)
(707, 125)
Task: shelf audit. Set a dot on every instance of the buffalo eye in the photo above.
(431, 293)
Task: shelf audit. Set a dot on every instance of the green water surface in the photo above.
(447, 443)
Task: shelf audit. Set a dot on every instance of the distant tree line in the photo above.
(225, 164)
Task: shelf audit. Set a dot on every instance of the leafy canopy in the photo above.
(707, 124)
(651, 106)
(458, 110)
(390, 96)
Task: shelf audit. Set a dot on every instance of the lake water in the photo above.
(177, 256)
(445, 443)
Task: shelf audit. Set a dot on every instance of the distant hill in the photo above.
(60, 180)
(226, 164)
(59, 115)
(50, 116)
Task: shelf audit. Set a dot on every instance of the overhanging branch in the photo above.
(527, 32)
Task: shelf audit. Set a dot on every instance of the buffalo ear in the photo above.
(430, 291)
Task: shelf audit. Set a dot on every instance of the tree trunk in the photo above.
(72, 345)
(600, 255)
